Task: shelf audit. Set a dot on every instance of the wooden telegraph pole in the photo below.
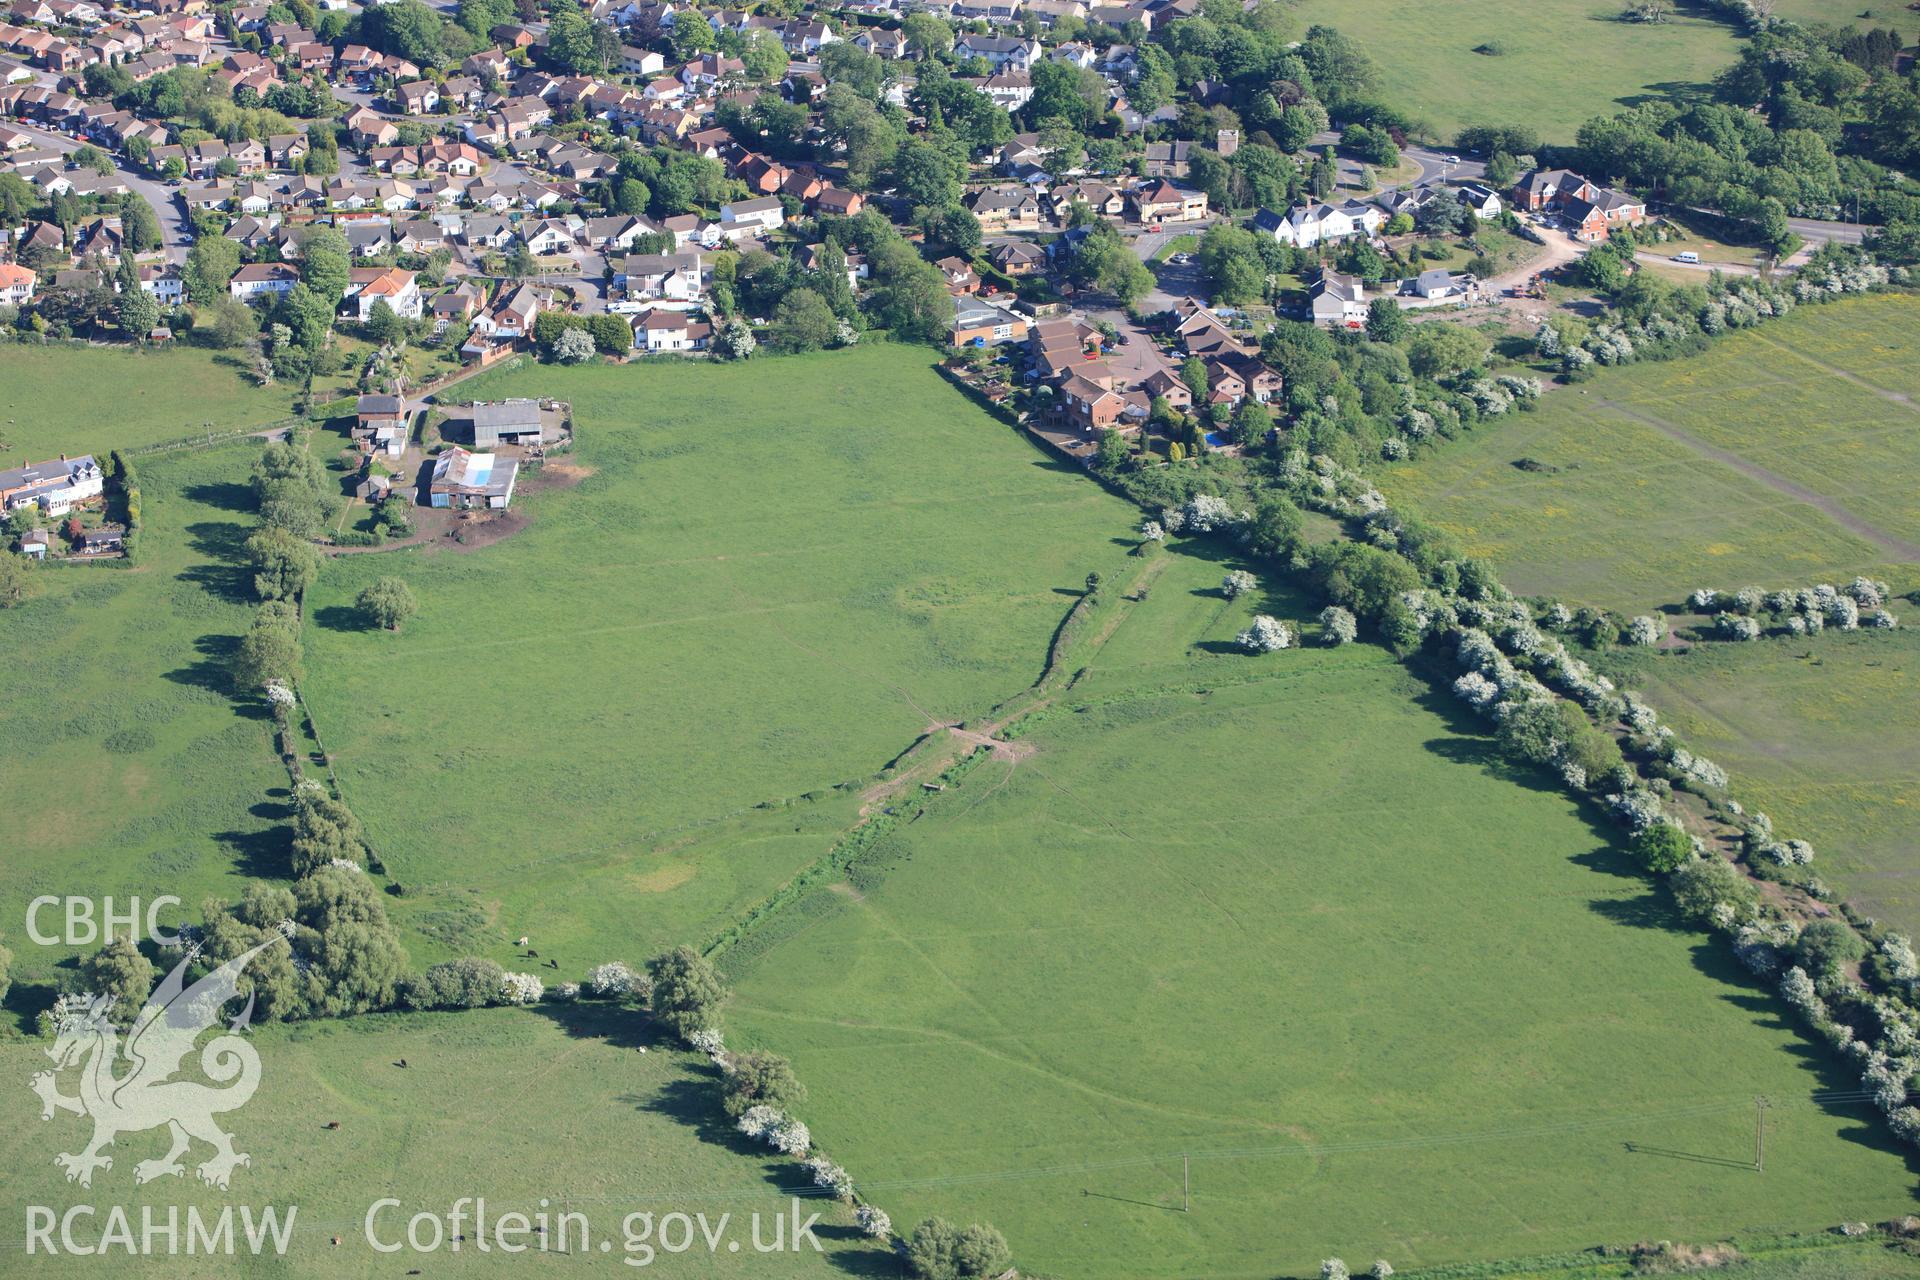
(1186, 1186)
(1759, 1134)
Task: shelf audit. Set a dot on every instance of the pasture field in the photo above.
(1783, 455)
(1291, 917)
(128, 768)
(1820, 733)
(78, 399)
(1428, 67)
(511, 1105)
(770, 581)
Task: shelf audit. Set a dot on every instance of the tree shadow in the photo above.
(228, 583)
(213, 670)
(266, 854)
(1218, 646)
(225, 495)
(339, 617)
(1644, 911)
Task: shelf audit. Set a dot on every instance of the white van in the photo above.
(1686, 255)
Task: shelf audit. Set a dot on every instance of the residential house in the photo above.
(1018, 258)
(1163, 202)
(56, 487)
(752, 217)
(999, 208)
(658, 329)
(981, 324)
(664, 279)
(260, 279)
(370, 286)
(16, 284)
(1338, 301)
(382, 424)
(1000, 53)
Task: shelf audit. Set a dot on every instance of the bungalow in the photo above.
(102, 541)
(465, 480)
(1441, 283)
(658, 329)
(262, 278)
(56, 487)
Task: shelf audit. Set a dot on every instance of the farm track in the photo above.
(1887, 542)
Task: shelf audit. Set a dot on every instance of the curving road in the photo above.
(175, 230)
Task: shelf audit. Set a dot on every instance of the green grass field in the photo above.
(1627, 516)
(510, 1105)
(774, 579)
(1290, 916)
(1820, 734)
(78, 399)
(1428, 67)
(128, 769)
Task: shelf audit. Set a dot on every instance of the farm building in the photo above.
(465, 480)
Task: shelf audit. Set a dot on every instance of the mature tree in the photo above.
(324, 831)
(210, 264)
(687, 990)
(270, 651)
(137, 313)
(766, 58)
(761, 1079)
(387, 602)
(1438, 349)
(1700, 886)
(283, 564)
(927, 35)
(355, 960)
(16, 581)
(928, 174)
(1193, 372)
(120, 971)
(1662, 846)
(573, 346)
(803, 322)
(1828, 946)
(1386, 322)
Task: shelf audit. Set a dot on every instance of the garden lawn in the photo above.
(1288, 915)
(1566, 60)
(507, 1104)
(1818, 732)
(773, 579)
(1625, 515)
(80, 399)
(128, 770)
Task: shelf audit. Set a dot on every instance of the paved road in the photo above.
(1815, 230)
(174, 227)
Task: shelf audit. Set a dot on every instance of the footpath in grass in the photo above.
(79, 399)
(771, 580)
(1636, 486)
(551, 1110)
(1818, 732)
(1291, 917)
(129, 770)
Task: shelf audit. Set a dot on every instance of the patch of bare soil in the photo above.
(557, 473)
(472, 530)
